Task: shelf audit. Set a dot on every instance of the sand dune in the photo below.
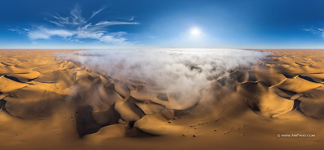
(52, 103)
(7, 85)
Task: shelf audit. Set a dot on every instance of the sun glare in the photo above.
(195, 31)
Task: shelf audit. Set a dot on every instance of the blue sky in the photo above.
(162, 23)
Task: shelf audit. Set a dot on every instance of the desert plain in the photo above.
(52, 103)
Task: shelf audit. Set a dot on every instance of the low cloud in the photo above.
(183, 71)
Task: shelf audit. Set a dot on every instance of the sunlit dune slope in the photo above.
(55, 103)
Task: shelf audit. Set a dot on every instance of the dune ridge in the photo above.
(72, 106)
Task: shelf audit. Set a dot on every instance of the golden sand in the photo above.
(47, 103)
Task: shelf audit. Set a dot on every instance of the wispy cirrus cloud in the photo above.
(77, 35)
(319, 31)
(20, 31)
(96, 12)
(132, 18)
(75, 18)
(45, 33)
(110, 23)
(76, 28)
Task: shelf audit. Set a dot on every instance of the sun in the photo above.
(195, 31)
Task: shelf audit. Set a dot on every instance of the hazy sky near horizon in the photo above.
(162, 23)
